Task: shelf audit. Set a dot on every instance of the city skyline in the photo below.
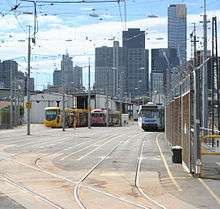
(47, 57)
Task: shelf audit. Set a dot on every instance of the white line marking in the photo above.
(80, 158)
(74, 146)
(137, 180)
(217, 199)
(167, 167)
(66, 156)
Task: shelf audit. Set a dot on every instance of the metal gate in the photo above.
(210, 156)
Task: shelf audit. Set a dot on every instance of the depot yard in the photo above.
(97, 168)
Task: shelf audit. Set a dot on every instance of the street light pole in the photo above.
(28, 80)
(204, 74)
(107, 105)
(89, 99)
(63, 109)
(11, 98)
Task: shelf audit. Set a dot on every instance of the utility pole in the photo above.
(63, 100)
(196, 104)
(89, 99)
(213, 80)
(217, 71)
(28, 80)
(204, 74)
(15, 102)
(11, 97)
(107, 109)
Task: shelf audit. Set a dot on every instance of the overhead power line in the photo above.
(73, 2)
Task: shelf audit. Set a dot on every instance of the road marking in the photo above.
(76, 145)
(80, 158)
(167, 167)
(137, 179)
(63, 158)
(217, 199)
(112, 174)
(115, 197)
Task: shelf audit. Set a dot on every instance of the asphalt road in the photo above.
(100, 168)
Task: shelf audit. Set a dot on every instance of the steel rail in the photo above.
(137, 185)
(77, 187)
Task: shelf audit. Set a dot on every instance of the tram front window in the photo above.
(150, 114)
(51, 115)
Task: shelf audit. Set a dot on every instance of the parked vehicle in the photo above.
(151, 117)
(98, 118)
(73, 117)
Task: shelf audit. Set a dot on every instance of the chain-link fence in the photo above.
(210, 157)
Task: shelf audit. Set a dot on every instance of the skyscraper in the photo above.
(77, 77)
(57, 77)
(110, 69)
(162, 60)
(6, 67)
(123, 71)
(137, 62)
(177, 30)
(67, 70)
(133, 38)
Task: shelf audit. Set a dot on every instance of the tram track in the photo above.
(113, 196)
(137, 179)
(30, 191)
(77, 187)
(78, 184)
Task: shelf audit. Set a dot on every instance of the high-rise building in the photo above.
(137, 62)
(7, 67)
(123, 71)
(162, 61)
(137, 72)
(133, 38)
(177, 30)
(77, 77)
(57, 77)
(67, 70)
(110, 69)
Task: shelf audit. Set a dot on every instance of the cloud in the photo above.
(57, 36)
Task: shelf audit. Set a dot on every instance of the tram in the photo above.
(151, 117)
(73, 117)
(98, 118)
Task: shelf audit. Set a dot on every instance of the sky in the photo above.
(79, 28)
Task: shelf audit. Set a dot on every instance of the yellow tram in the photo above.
(73, 117)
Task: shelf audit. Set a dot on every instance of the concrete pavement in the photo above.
(111, 168)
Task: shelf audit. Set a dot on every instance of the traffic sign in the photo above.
(28, 105)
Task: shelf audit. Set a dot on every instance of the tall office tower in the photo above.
(57, 77)
(6, 67)
(177, 30)
(67, 70)
(77, 77)
(162, 61)
(133, 38)
(137, 62)
(110, 70)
